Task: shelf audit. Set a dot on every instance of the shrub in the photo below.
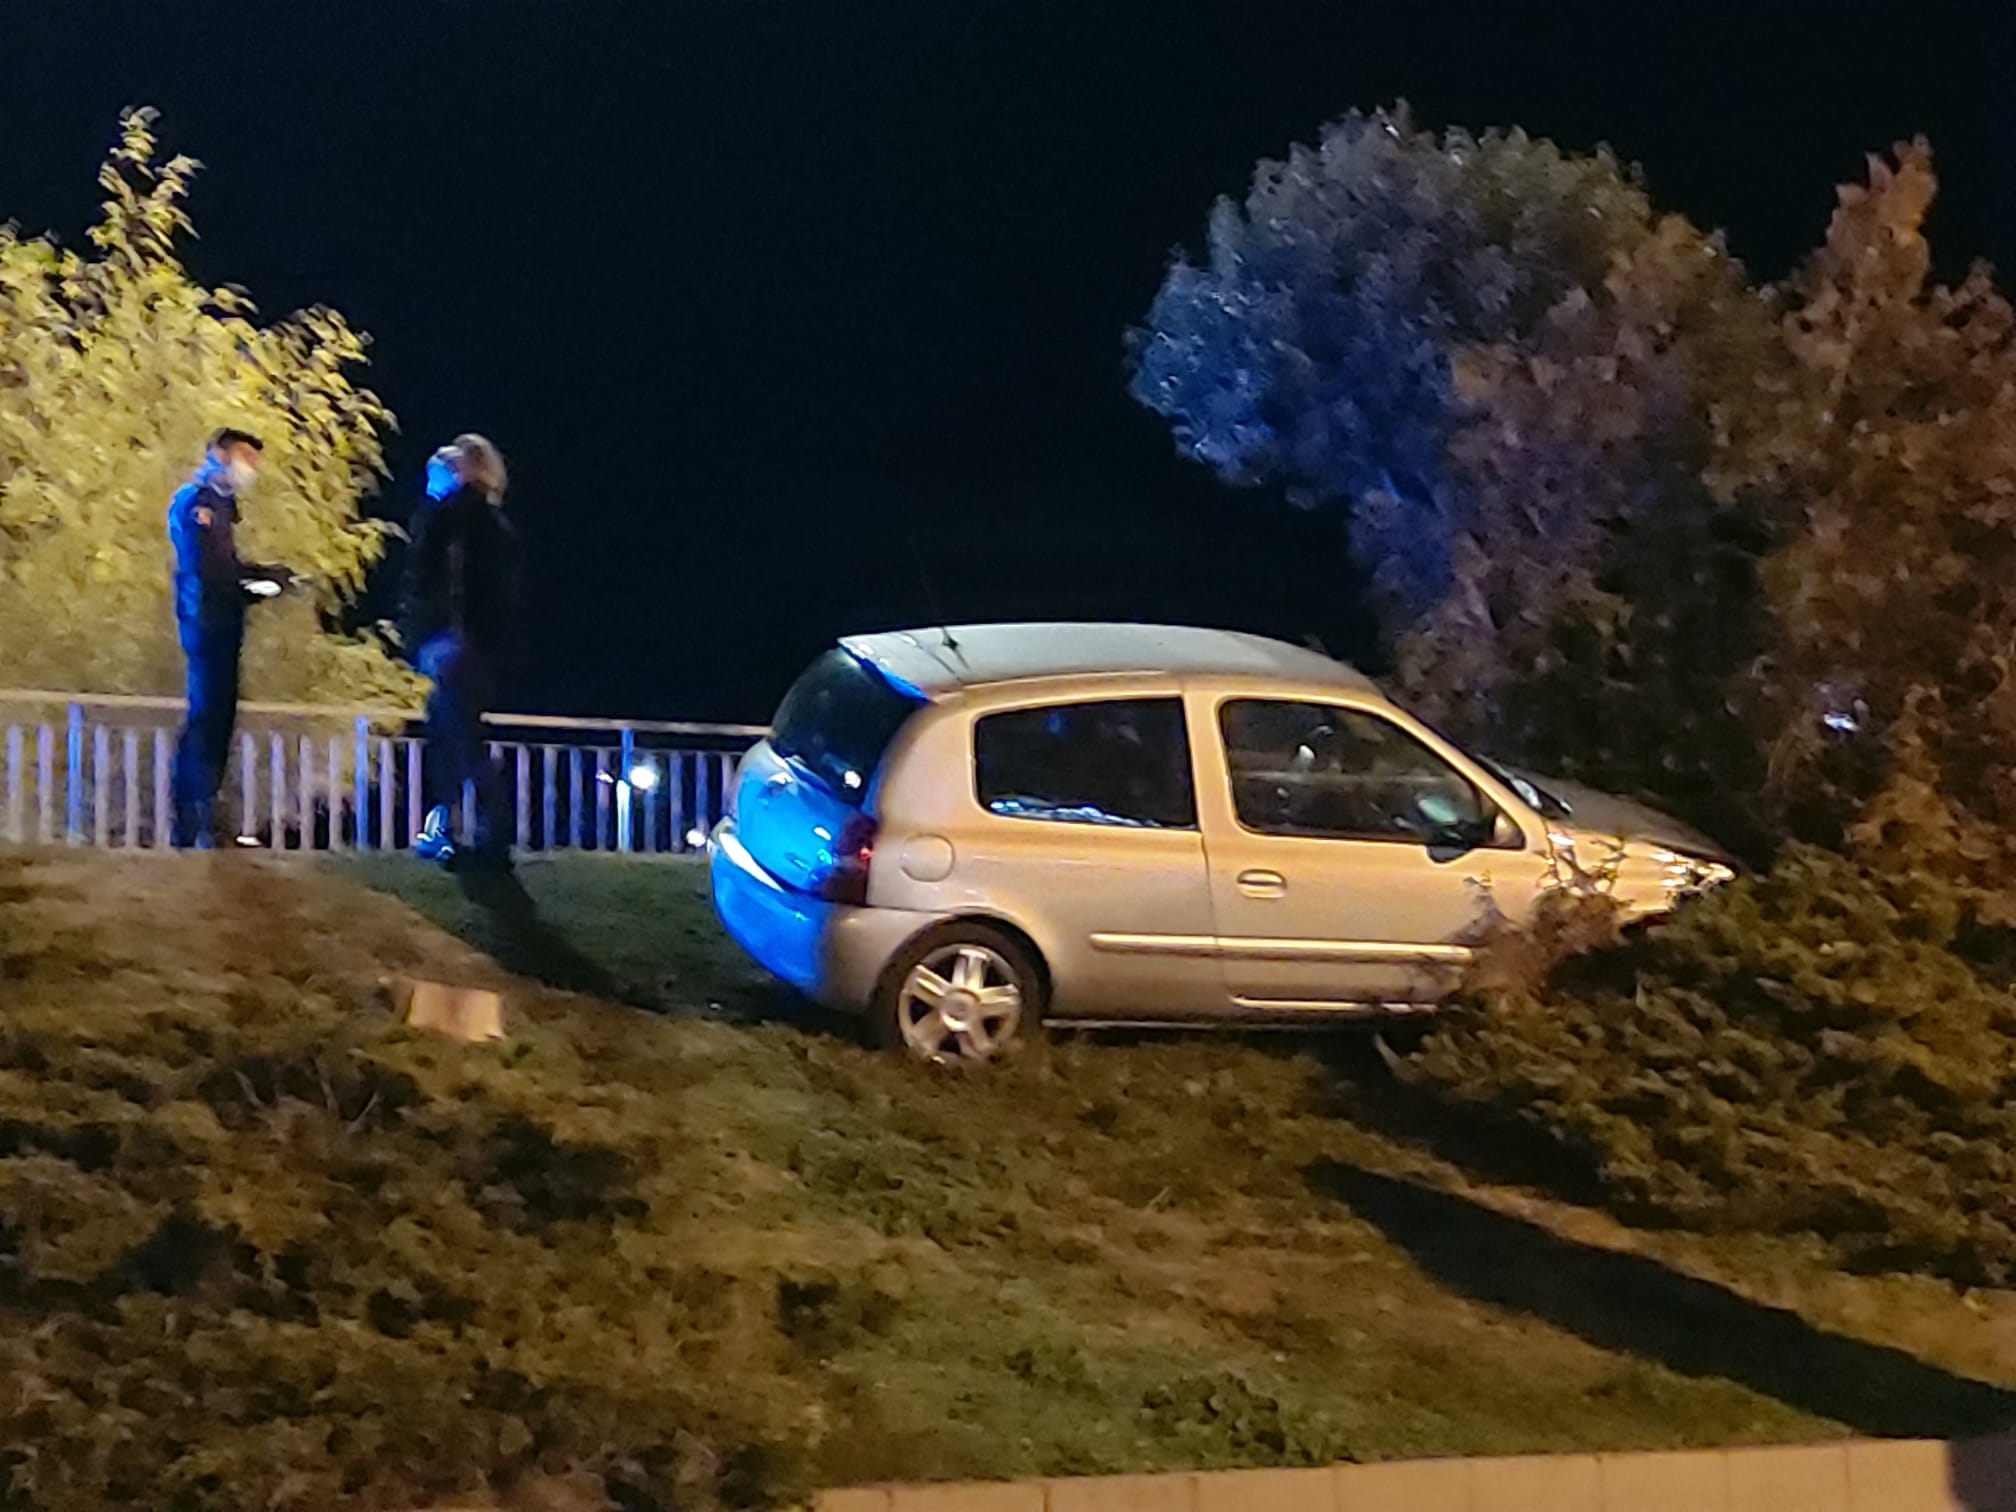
(1827, 1048)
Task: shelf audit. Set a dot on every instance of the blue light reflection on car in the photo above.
(779, 927)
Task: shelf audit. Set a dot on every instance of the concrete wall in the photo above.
(1892, 1475)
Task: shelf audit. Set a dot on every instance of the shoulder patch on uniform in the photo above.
(204, 515)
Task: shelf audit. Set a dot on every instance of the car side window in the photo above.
(1114, 762)
(1324, 772)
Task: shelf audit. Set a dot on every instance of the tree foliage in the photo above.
(1750, 550)
(1743, 549)
(1502, 363)
(1317, 346)
(1825, 1049)
(114, 367)
(1882, 431)
(1604, 605)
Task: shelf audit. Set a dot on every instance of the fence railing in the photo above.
(95, 770)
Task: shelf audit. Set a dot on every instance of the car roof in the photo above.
(940, 661)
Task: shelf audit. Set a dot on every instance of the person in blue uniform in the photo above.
(460, 622)
(212, 588)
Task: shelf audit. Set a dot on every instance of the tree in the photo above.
(1884, 434)
(1604, 609)
(114, 367)
(1826, 1046)
(1316, 346)
(1501, 362)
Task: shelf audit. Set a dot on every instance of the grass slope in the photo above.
(261, 1246)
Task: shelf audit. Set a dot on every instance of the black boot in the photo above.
(491, 853)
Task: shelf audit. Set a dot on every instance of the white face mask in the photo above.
(241, 475)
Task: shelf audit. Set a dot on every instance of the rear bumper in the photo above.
(833, 953)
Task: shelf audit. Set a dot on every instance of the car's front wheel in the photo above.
(962, 994)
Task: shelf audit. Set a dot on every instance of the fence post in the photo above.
(601, 796)
(332, 781)
(101, 786)
(385, 794)
(703, 801)
(627, 761)
(276, 783)
(522, 758)
(163, 791)
(574, 797)
(650, 846)
(361, 786)
(548, 756)
(14, 783)
(248, 786)
(73, 787)
(304, 779)
(675, 795)
(129, 767)
(45, 785)
(416, 788)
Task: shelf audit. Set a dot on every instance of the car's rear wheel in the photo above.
(962, 994)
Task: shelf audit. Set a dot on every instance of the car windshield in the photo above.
(1547, 805)
(837, 721)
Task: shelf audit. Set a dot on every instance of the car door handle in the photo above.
(1262, 884)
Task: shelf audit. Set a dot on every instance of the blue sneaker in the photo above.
(436, 841)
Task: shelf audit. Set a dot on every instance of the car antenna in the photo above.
(931, 596)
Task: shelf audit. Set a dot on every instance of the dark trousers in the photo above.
(212, 653)
(458, 752)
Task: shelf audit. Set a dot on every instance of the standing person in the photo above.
(460, 619)
(212, 588)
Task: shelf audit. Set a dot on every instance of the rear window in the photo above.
(1122, 762)
(837, 721)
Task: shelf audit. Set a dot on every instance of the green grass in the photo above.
(752, 1256)
(682, 965)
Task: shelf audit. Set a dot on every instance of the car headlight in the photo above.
(1684, 873)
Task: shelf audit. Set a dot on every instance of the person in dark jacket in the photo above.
(212, 588)
(460, 620)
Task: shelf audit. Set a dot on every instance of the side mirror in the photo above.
(1448, 842)
(1495, 829)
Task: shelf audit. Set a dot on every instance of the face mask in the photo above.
(444, 477)
(241, 475)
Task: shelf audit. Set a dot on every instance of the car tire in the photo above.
(962, 994)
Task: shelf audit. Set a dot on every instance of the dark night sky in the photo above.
(755, 293)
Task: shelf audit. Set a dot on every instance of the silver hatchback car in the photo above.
(963, 831)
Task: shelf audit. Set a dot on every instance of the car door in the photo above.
(1351, 863)
(1088, 838)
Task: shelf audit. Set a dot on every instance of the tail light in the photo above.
(848, 881)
